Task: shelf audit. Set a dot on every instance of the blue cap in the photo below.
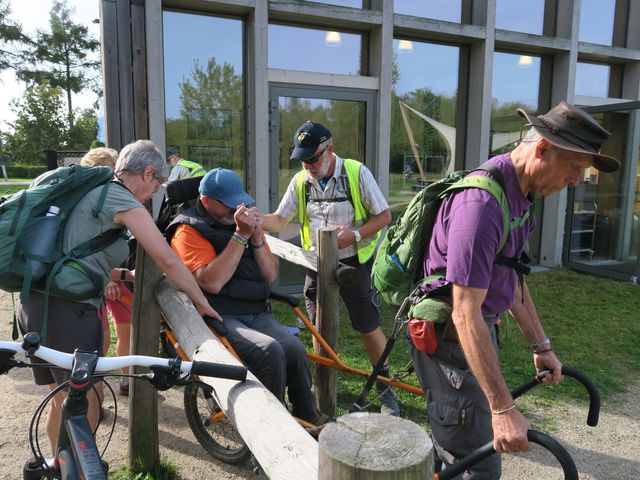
(225, 185)
(307, 139)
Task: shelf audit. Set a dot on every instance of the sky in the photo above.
(34, 14)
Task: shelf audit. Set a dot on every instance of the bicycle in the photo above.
(76, 455)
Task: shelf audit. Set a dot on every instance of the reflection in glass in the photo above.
(347, 122)
(516, 80)
(596, 21)
(341, 3)
(314, 50)
(592, 79)
(447, 10)
(520, 16)
(604, 224)
(423, 133)
(204, 89)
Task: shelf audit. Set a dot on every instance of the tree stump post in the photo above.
(375, 447)
(327, 316)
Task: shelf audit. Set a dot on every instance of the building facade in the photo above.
(412, 88)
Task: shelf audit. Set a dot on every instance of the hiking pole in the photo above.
(359, 404)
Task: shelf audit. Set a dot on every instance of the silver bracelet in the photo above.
(236, 237)
(542, 346)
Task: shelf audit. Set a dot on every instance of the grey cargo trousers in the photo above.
(457, 407)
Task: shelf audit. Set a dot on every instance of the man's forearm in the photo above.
(375, 223)
(526, 317)
(478, 348)
(272, 222)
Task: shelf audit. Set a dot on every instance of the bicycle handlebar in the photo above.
(108, 364)
(594, 395)
(568, 465)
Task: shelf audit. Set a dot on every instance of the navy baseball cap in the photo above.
(307, 139)
(225, 185)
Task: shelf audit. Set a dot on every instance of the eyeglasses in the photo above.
(316, 157)
(158, 179)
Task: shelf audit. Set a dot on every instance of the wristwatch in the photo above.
(358, 236)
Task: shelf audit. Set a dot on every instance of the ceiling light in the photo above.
(332, 39)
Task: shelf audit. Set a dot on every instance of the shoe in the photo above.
(123, 388)
(388, 401)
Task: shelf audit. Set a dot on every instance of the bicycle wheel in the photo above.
(212, 428)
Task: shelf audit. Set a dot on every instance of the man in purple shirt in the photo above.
(469, 402)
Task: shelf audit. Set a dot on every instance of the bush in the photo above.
(25, 171)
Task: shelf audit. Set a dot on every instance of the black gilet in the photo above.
(246, 292)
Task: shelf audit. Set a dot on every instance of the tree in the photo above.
(10, 35)
(63, 57)
(212, 113)
(40, 124)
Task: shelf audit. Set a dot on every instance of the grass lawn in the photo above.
(594, 324)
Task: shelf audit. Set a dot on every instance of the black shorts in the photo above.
(364, 311)
(70, 325)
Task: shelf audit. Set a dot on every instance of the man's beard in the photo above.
(322, 172)
(227, 220)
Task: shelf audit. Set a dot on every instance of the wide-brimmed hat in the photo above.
(307, 138)
(570, 128)
(225, 185)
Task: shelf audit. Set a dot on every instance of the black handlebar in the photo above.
(231, 372)
(567, 463)
(594, 395)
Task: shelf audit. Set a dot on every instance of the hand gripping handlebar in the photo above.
(567, 463)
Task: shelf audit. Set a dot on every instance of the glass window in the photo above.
(516, 83)
(447, 10)
(340, 3)
(520, 16)
(423, 117)
(312, 50)
(592, 79)
(596, 21)
(603, 233)
(203, 77)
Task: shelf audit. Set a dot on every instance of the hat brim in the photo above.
(302, 154)
(604, 163)
(233, 201)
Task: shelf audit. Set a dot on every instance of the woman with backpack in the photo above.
(71, 324)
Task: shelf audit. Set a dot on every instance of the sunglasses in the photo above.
(316, 157)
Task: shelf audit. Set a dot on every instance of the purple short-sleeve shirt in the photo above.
(467, 233)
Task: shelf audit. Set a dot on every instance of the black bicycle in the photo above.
(76, 455)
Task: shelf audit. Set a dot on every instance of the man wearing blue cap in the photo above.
(222, 243)
(331, 191)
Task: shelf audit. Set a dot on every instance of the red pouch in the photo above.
(423, 335)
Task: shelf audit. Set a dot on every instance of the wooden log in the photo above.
(375, 447)
(144, 450)
(327, 316)
(281, 446)
(346, 274)
(292, 253)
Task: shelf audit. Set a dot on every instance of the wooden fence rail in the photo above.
(281, 446)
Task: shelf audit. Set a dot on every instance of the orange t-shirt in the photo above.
(194, 250)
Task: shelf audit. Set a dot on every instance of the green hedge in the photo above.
(25, 171)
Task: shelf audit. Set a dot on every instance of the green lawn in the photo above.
(594, 324)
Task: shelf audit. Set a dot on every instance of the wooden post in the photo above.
(375, 447)
(327, 315)
(144, 450)
(281, 446)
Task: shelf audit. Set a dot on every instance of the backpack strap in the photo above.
(85, 249)
(103, 195)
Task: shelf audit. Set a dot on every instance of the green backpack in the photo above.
(31, 253)
(397, 268)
